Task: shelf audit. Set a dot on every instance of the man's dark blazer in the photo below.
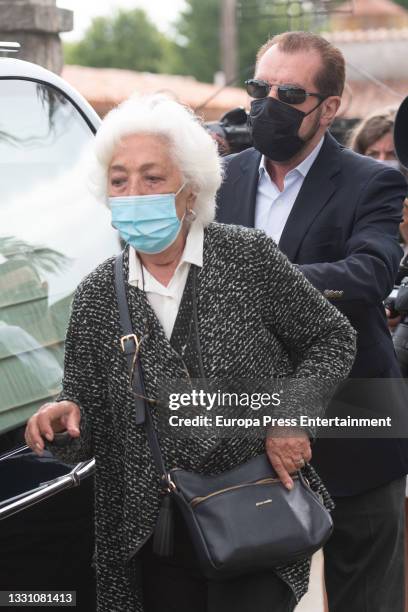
(342, 232)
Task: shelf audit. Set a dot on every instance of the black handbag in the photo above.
(240, 521)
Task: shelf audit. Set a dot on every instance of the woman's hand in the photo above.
(288, 451)
(51, 418)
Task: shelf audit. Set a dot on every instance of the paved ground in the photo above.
(313, 601)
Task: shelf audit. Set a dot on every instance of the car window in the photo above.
(52, 233)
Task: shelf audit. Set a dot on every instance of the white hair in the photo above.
(192, 148)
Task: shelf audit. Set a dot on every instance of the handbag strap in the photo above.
(129, 345)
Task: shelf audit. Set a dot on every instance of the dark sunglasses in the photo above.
(290, 94)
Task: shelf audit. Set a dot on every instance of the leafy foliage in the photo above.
(198, 27)
(128, 40)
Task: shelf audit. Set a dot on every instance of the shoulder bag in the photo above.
(240, 521)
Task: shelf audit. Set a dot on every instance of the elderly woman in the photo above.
(257, 318)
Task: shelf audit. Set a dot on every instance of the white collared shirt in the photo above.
(273, 206)
(165, 301)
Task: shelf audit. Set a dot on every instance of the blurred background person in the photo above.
(374, 137)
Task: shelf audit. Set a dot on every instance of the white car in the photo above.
(52, 233)
(52, 230)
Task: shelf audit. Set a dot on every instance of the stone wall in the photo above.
(36, 25)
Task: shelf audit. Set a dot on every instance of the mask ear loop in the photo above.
(181, 189)
(316, 107)
(190, 215)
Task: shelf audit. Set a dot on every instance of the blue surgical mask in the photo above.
(149, 223)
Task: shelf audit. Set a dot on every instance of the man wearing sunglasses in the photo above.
(336, 215)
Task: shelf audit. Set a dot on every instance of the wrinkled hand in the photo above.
(288, 451)
(51, 418)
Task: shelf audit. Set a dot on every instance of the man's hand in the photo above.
(392, 321)
(51, 418)
(288, 451)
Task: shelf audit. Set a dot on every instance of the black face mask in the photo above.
(275, 126)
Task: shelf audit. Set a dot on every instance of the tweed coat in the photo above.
(258, 317)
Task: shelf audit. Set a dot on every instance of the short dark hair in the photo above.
(332, 75)
(371, 129)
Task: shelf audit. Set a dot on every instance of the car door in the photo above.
(53, 231)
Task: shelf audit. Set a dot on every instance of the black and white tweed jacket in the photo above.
(258, 317)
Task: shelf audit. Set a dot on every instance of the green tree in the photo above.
(402, 3)
(198, 33)
(197, 30)
(252, 33)
(128, 40)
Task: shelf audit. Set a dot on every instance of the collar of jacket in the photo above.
(147, 327)
(317, 189)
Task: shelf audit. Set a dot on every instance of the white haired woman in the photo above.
(257, 317)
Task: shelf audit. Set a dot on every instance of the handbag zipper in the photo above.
(198, 500)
